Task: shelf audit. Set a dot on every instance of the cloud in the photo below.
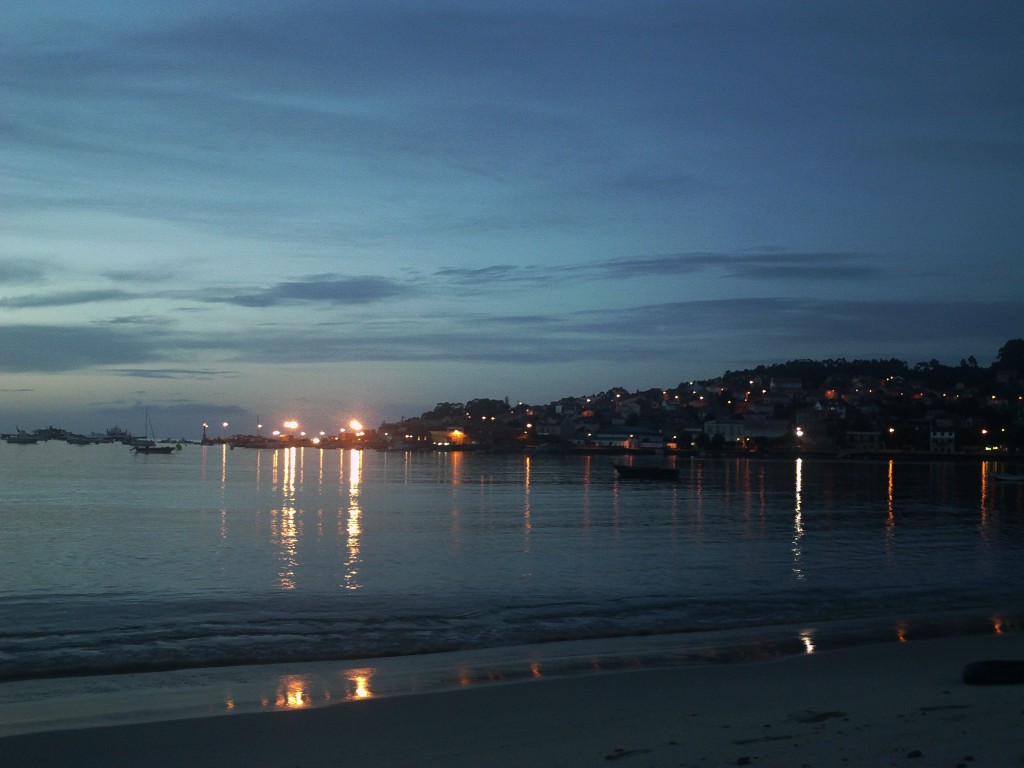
(66, 348)
(758, 266)
(328, 289)
(174, 373)
(338, 290)
(497, 274)
(741, 330)
(147, 277)
(813, 327)
(774, 265)
(20, 271)
(132, 320)
(820, 266)
(67, 298)
(750, 327)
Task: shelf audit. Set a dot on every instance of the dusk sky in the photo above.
(324, 210)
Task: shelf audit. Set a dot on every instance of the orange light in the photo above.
(359, 683)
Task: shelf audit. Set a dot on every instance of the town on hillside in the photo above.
(841, 407)
(833, 407)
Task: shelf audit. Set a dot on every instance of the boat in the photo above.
(82, 440)
(645, 472)
(148, 443)
(22, 438)
(117, 435)
(147, 447)
(1008, 477)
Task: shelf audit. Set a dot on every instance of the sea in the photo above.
(216, 580)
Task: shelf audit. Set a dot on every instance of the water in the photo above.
(211, 558)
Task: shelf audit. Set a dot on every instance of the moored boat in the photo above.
(1008, 477)
(644, 472)
(22, 438)
(145, 447)
(82, 440)
(148, 444)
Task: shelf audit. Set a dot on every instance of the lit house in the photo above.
(447, 437)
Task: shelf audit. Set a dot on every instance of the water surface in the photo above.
(211, 557)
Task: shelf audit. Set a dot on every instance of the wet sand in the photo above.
(892, 704)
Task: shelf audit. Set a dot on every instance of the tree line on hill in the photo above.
(815, 373)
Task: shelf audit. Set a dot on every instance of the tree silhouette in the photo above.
(1011, 355)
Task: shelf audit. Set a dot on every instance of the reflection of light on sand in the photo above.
(535, 669)
(291, 693)
(807, 638)
(472, 676)
(358, 684)
(901, 632)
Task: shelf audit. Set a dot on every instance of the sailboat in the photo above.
(148, 444)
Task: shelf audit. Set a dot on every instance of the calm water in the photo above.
(114, 562)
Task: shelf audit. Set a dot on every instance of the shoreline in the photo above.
(61, 703)
(867, 705)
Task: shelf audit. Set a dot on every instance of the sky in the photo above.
(332, 209)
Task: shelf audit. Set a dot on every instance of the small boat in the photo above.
(642, 472)
(148, 444)
(22, 438)
(82, 440)
(1008, 477)
(146, 447)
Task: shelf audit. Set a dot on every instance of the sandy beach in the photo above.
(890, 704)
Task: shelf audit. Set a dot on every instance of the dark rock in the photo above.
(994, 672)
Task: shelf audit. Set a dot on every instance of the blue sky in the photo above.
(321, 210)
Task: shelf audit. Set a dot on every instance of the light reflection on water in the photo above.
(798, 522)
(826, 504)
(380, 501)
(352, 528)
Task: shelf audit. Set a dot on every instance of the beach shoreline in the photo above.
(873, 704)
(62, 703)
